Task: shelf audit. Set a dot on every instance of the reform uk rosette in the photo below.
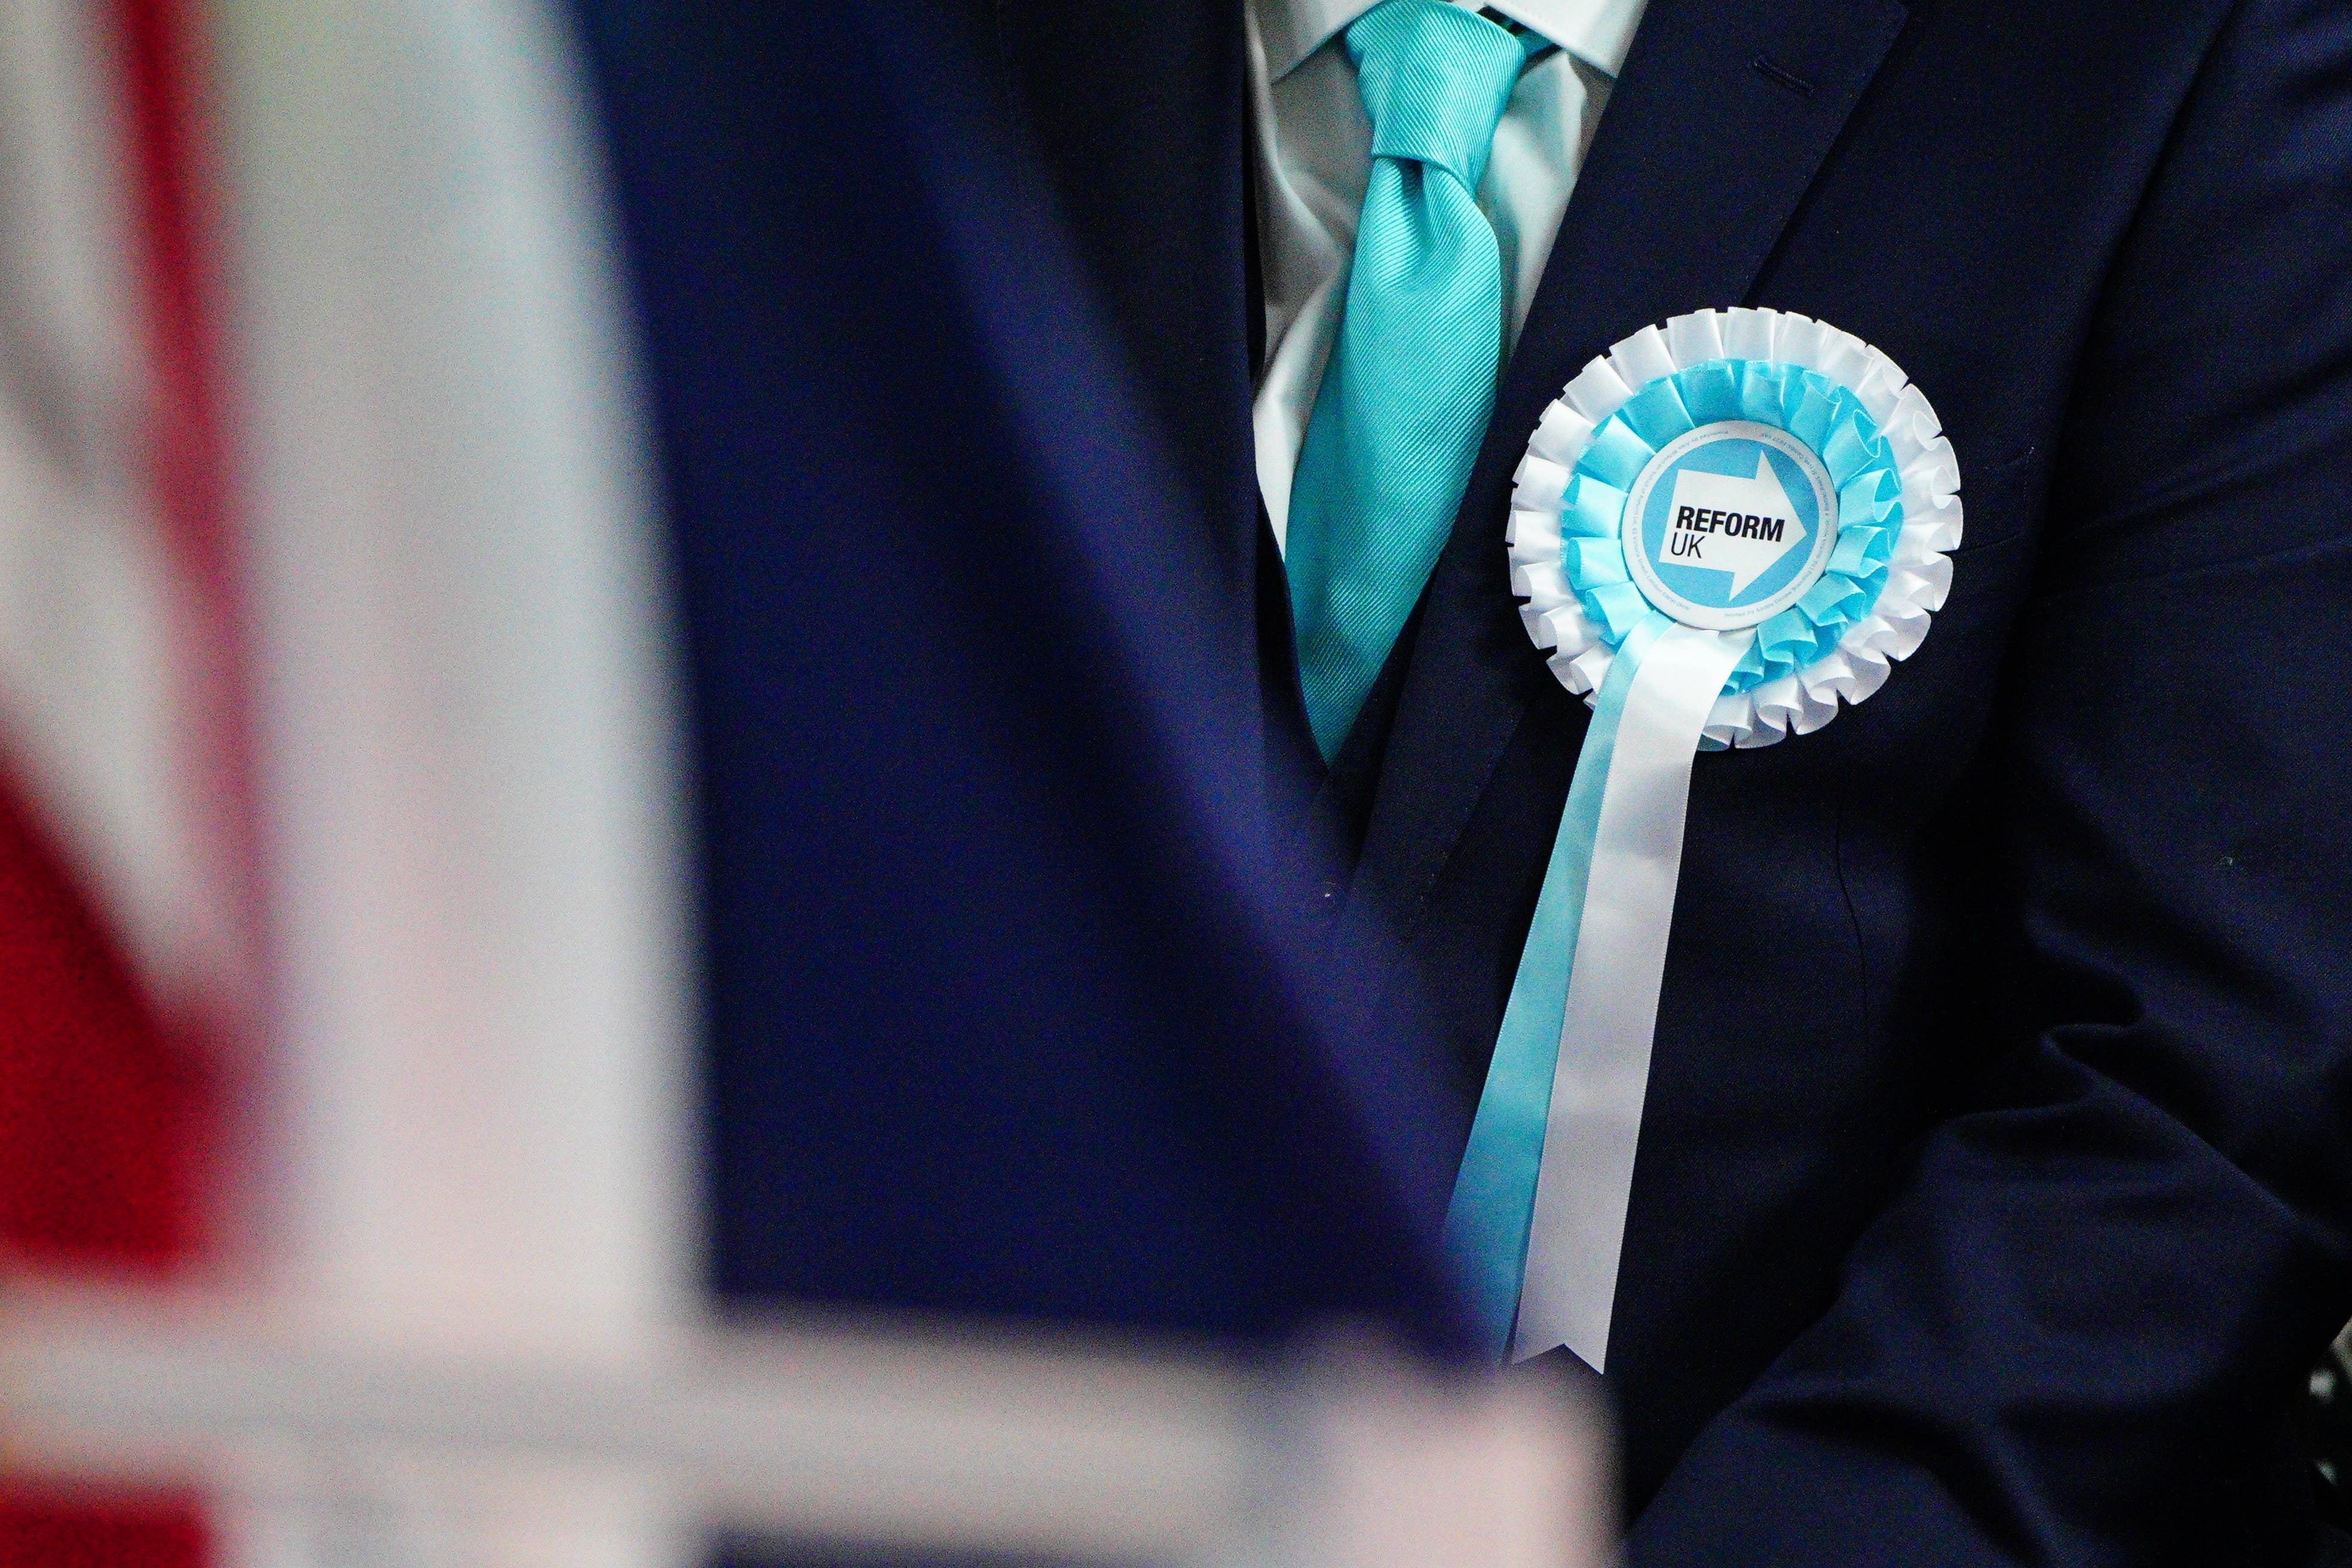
(1725, 529)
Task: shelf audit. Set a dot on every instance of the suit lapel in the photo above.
(1722, 115)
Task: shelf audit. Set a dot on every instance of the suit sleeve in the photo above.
(2093, 1296)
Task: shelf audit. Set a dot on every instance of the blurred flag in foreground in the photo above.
(337, 746)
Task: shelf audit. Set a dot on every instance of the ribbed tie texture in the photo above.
(1411, 381)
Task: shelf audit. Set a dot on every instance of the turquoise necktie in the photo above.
(1411, 381)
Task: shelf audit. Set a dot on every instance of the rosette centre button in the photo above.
(1726, 523)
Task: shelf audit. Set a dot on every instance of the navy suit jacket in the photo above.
(1994, 1184)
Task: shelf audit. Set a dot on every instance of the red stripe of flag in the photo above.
(173, 196)
(105, 1096)
(111, 1110)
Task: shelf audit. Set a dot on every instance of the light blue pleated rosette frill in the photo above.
(1724, 529)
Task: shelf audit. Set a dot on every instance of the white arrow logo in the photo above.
(1723, 524)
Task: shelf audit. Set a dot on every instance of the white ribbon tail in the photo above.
(1578, 1228)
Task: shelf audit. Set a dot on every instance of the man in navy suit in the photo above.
(1994, 1189)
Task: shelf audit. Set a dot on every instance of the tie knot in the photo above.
(1435, 78)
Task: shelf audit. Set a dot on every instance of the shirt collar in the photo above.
(1597, 32)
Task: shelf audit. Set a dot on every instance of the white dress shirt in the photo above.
(1314, 157)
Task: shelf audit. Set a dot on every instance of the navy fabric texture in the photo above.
(1000, 1018)
(1994, 1183)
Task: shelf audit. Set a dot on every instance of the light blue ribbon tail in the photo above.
(1487, 1223)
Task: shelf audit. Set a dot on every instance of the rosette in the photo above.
(1897, 511)
(1724, 528)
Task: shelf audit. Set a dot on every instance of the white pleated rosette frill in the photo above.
(1918, 574)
